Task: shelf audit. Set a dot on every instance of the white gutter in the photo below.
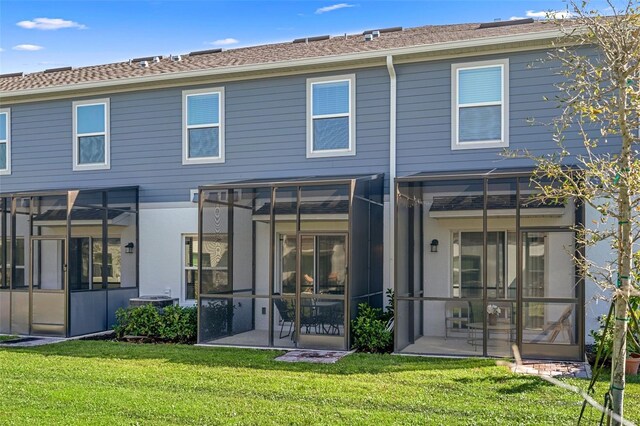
(393, 89)
(272, 66)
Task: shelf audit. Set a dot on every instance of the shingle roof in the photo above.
(269, 53)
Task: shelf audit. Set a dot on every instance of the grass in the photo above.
(97, 382)
(4, 337)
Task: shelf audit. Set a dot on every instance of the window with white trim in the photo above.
(203, 126)
(91, 135)
(214, 263)
(5, 141)
(480, 104)
(331, 116)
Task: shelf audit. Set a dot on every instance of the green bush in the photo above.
(171, 324)
(370, 331)
(633, 336)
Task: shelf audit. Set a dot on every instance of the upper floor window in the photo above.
(5, 141)
(331, 116)
(203, 126)
(480, 105)
(91, 134)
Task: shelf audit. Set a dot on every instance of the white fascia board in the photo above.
(273, 66)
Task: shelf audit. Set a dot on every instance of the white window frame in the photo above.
(351, 79)
(106, 165)
(185, 127)
(503, 142)
(7, 170)
(184, 268)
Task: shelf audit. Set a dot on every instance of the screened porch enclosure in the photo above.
(68, 260)
(482, 265)
(285, 264)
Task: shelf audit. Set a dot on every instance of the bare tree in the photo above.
(599, 98)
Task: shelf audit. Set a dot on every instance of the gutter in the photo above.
(393, 90)
(306, 62)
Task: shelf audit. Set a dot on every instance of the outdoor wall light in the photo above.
(434, 246)
(129, 248)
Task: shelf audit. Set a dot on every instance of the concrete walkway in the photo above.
(29, 341)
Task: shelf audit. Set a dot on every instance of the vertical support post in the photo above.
(272, 253)
(3, 243)
(421, 262)
(71, 198)
(411, 261)
(199, 279)
(350, 257)
(230, 256)
(298, 267)
(137, 251)
(484, 264)
(105, 242)
(519, 303)
(579, 221)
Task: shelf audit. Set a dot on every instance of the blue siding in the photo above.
(265, 138)
(424, 115)
(266, 132)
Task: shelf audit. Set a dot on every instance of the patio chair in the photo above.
(553, 329)
(308, 316)
(287, 315)
(456, 312)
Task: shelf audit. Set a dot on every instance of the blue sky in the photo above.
(35, 35)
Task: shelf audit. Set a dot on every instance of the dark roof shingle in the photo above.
(269, 53)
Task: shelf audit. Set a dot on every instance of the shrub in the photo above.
(179, 324)
(633, 336)
(370, 331)
(171, 324)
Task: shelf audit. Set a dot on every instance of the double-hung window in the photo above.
(91, 135)
(480, 105)
(5, 141)
(215, 268)
(331, 116)
(203, 126)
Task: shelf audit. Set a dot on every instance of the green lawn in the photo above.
(91, 382)
(4, 337)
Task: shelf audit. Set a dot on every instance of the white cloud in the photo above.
(28, 47)
(50, 24)
(332, 8)
(225, 42)
(558, 14)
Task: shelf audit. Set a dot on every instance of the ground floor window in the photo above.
(214, 262)
(86, 263)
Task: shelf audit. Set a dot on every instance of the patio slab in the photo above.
(316, 357)
(581, 370)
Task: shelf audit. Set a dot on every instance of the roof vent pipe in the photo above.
(156, 59)
(144, 64)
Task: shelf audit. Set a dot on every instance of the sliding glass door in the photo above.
(321, 290)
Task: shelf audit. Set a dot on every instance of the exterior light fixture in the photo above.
(434, 246)
(129, 248)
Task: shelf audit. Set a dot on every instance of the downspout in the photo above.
(392, 169)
